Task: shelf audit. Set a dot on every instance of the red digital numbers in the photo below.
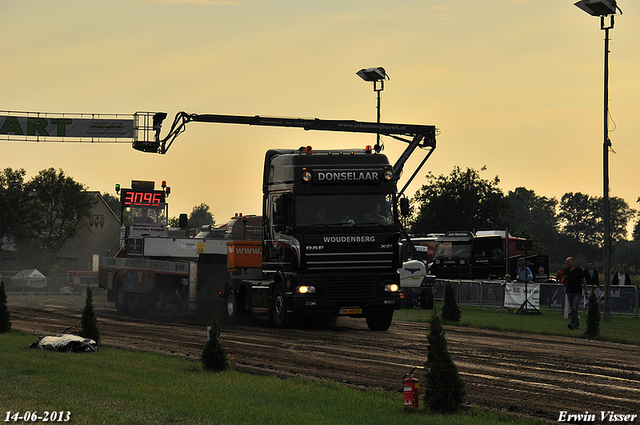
(132, 197)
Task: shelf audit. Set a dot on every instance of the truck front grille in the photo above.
(350, 287)
(349, 260)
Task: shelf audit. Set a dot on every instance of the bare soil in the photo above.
(531, 375)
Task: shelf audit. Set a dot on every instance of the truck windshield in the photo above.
(154, 216)
(348, 210)
(453, 249)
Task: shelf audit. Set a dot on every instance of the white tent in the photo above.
(30, 279)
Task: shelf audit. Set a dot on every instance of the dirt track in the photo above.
(531, 375)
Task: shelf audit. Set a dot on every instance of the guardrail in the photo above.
(625, 299)
(74, 282)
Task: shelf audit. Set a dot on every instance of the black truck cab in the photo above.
(331, 233)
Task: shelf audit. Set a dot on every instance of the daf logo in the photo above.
(315, 248)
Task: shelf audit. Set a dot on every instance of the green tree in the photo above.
(620, 214)
(636, 228)
(62, 206)
(581, 217)
(200, 216)
(18, 218)
(627, 253)
(5, 316)
(445, 391)
(113, 202)
(460, 201)
(533, 217)
(450, 309)
(214, 356)
(89, 320)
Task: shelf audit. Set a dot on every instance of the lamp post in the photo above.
(377, 76)
(604, 9)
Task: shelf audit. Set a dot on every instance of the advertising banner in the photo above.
(65, 127)
(514, 295)
(622, 298)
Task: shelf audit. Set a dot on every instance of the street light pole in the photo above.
(377, 77)
(604, 9)
(605, 174)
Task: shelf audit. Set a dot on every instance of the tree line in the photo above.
(39, 216)
(572, 226)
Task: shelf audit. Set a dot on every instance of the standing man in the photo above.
(591, 275)
(574, 281)
(524, 274)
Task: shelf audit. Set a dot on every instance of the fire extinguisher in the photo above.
(411, 390)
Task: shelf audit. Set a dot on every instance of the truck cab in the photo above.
(331, 235)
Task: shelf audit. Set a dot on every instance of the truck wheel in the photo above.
(426, 298)
(281, 317)
(380, 321)
(231, 304)
(135, 303)
(120, 295)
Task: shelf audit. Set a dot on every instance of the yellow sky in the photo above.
(516, 85)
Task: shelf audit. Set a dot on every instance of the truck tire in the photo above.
(280, 313)
(231, 305)
(426, 298)
(380, 321)
(120, 296)
(135, 303)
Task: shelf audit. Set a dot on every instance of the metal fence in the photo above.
(73, 282)
(490, 294)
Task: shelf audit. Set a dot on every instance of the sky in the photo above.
(513, 85)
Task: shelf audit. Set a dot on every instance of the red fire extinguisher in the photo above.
(411, 390)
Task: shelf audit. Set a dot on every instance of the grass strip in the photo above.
(114, 386)
(622, 328)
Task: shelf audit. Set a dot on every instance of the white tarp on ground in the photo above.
(65, 343)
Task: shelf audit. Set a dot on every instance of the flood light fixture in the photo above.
(598, 7)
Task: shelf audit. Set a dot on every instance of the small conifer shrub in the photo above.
(593, 317)
(450, 309)
(214, 356)
(5, 317)
(89, 320)
(445, 391)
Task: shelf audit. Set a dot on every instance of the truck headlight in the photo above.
(392, 287)
(306, 289)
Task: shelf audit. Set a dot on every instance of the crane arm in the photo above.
(426, 133)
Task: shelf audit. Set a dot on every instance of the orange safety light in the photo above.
(309, 150)
(368, 148)
(164, 184)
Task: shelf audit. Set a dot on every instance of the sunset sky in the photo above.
(513, 85)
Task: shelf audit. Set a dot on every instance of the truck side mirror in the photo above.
(404, 206)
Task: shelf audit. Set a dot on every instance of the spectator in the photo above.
(524, 274)
(621, 278)
(560, 274)
(574, 278)
(591, 275)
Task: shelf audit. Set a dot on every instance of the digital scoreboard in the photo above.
(142, 198)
